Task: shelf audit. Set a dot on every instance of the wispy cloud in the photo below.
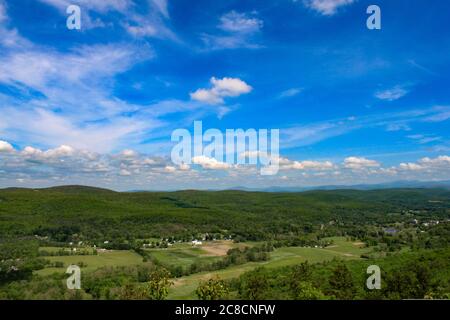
(303, 135)
(3, 15)
(392, 94)
(424, 139)
(327, 7)
(290, 93)
(151, 22)
(67, 97)
(236, 30)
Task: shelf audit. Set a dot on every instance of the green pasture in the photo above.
(93, 262)
(184, 287)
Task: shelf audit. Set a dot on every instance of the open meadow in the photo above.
(184, 254)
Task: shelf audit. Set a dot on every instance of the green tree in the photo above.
(157, 288)
(213, 289)
(306, 291)
(341, 283)
(254, 285)
(300, 274)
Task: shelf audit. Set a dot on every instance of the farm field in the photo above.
(184, 288)
(184, 254)
(180, 254)
(93, 262)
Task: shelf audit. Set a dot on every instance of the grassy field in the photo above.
(184, 254)
(184, 287)
(182, 257)
(93, 262)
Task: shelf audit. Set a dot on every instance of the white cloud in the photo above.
(391, 94)
(6, 146)
(125, 172)
(62, 151)
(240, 22)
(42, 69)
(436, 162)
(162, 7)
(132, 170)
(56, 153)
(410, 166)
(128, 153)
(286, 164)
(49, 128)
(359, 163)
(290, 92)
(221, 88)
(424, 139)
(170, 169)
(307, 134)
(77, 105)
(438, 165)
(442, 114)
(399, 126)
(137, 24)
(101, 6)
(3, 15)
(238, 31)
(184, 167)
(327, 7)
(210, 163)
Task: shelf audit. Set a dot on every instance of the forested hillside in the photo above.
(95, 214)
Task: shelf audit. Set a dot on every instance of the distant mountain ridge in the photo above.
(388, 185)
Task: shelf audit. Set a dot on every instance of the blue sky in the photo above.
(98, 105)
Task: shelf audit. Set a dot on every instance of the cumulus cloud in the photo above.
(437, 162)
(221, 88)
(170, 169)
(286, 164)
(68, 165)
(439, 165)
(327, 7)
(71, 164)
(360, 163)
(391, 94)
(210, 163)
(410, 166)
(129, 153)
(5, 146)
(125, 172)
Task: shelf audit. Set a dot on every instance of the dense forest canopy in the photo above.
(96, 214)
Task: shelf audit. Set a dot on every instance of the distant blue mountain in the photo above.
(388, 185)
